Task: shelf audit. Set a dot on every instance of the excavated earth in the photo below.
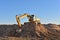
(47, 32)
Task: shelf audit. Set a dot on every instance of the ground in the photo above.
(8, 32)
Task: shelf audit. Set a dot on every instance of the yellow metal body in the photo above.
(30, 18)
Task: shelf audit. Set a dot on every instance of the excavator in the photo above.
(31, 18)
(32, 22)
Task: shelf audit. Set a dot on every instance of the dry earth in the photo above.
(8, 32)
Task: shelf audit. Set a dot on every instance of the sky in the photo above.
(47, 10)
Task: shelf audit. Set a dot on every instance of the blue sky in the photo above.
(47, 10)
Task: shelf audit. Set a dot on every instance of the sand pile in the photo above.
(46, 31)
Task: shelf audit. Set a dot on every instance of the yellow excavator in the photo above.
(32, 23)
(31, 18)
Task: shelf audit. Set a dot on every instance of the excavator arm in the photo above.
(24, 15)
(18, 21)
(19, 17)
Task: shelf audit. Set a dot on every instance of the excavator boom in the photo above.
(19, 17)
(24, 15)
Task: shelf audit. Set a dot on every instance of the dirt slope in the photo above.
(47, 32)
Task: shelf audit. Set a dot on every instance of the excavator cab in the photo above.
(31, 18)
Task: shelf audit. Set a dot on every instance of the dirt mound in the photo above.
(47, 32)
